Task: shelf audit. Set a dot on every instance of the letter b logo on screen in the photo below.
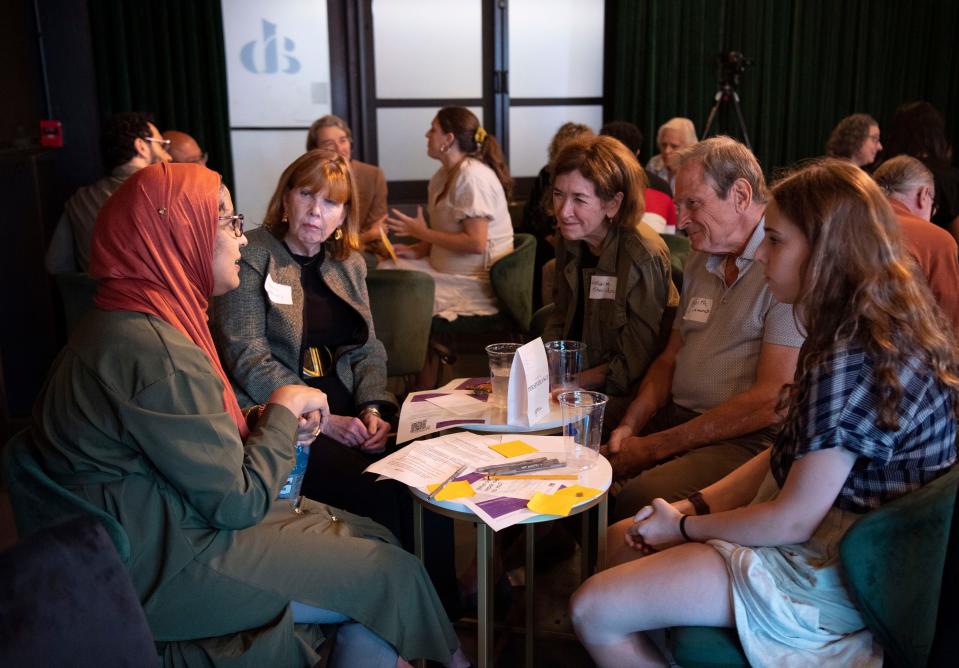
(269, 56)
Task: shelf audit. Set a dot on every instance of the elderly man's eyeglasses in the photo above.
(165, 143)
(235, 222)
(934, 206)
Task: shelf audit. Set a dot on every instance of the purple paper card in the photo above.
(502, 505)
(428, 396)
(472, 477)
(452, 423)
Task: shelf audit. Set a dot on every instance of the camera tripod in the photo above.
(727, 96)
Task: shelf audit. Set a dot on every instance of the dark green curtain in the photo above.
(816, 61)
(166, 57)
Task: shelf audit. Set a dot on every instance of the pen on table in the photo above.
(521, 467)
(447, 481)
(532, 477)
(509, 465)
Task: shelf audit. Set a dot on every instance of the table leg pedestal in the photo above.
(602, 519)
(418, 550)
(484, 593)
(530, 591)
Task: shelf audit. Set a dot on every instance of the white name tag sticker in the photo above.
(602, 287)
(277, 292)
(699, 309)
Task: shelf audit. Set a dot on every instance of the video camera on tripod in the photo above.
(732, 65)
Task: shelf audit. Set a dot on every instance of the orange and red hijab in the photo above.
(152, 252)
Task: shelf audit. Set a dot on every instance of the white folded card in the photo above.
(528, 401)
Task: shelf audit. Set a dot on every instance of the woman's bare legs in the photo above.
(682, 586)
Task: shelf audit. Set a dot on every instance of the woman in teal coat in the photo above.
(139, 419)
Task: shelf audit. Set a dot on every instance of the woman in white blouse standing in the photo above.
(469, 225)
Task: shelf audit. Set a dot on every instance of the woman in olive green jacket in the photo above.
(138, 418)
(613, 286)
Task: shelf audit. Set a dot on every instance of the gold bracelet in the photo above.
(370, 410)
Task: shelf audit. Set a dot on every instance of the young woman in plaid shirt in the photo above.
(870, 417)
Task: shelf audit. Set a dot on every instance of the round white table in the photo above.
(497, 424)
(600, 476)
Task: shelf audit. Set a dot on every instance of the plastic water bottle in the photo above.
(291, 489)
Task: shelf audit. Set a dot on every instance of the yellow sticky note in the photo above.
(579, 493)
(551, 504)
(513, 448)
(458, 489)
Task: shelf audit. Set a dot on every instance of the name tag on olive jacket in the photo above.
(602, 287)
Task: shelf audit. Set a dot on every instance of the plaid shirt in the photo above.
(843, 410)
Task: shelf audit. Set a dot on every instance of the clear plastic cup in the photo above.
(582, 426)
(500, 362)
(565, 364)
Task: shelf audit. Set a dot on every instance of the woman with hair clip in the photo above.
(469, 225)
(870, 417)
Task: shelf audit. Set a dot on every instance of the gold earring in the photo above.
(284, 218)
(338, 234)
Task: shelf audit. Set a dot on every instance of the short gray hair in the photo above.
(683, 126)
(724, 160)
(902, 175)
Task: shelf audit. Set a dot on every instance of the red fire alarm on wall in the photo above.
(51, 134)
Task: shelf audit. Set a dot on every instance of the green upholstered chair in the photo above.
(39, 502)
(76, 291)
(679, 249)
(402, 305)
(512, 279)
(706, 647)
(537, 325)
(516, 214)
(893, 559)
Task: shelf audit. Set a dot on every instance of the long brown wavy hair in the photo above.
(463, 124)
(859, 287)
(315, 170)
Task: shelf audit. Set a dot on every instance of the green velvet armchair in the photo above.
(402, 305)
(512, 279)
(39, 502)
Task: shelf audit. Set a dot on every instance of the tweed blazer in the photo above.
(260, 340)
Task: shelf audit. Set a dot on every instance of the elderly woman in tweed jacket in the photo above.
(302, 315)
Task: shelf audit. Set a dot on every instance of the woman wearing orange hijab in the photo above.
(138, 419)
